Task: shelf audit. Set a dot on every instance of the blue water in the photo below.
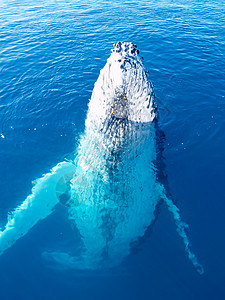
(51, 53)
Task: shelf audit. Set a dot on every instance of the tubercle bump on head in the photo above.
(125, 49)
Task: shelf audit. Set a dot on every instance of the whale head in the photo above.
(123, 90)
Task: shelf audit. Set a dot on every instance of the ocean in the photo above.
(51, 53)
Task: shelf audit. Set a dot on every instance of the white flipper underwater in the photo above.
(181, 226)
(37, 206)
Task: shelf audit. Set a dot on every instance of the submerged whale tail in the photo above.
(37, 206)
(181, 225)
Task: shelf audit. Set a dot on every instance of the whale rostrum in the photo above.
(111, 189)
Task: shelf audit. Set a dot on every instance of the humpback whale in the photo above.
(111, 188)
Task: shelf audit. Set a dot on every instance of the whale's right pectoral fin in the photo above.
(37, 206)
(181, 227)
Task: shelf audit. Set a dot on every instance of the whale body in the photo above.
(111, 188)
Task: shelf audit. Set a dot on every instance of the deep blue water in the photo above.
(51, 53)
